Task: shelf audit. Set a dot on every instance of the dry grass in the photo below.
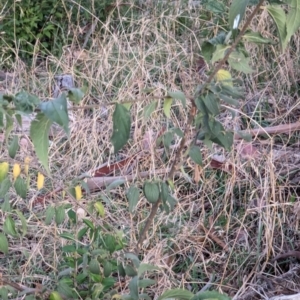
(227, 227)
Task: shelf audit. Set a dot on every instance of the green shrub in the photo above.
(29, 28)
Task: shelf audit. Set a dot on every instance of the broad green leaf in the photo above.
(9, 124)
(39, 133)
(50, 212)
(23, 222)
(100, 208)
(133, 258)
(143, 283)
(167, 107)
(149, 109)
(110, 243)
(26, 102)
(224, 139)
(3, 243)
(212, 103)
(133, 195)
(4, 187)
(177, 294)
(89, 224)
(115, 184)
(65, 289)
(60, 215)
(13, 146)
(215, 7)
(130, 271)
(151, 191)
(256, 37)
(145, 268)
(210, 295)
(57, 111)
(207, 50)
(107, 268)
(292, 20)
(67, 236)
(9, 227)
(195, 154)
(134, 288)
(219, 53)
(76, 95)
(278, 15)
(55, 296)
(239, 62)
(167, 139)
(121, 127)
(4, 167)
(229, 100)
(236, 12)
(20, 187)
(178, 95)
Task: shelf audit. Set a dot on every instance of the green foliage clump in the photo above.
(28, 27)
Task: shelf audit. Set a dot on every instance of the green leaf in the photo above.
(143, 268)
(21, 187)
(107, 268)
(151, 191)
(55, 296)
(3, 243)
(94, 266)
(236, 12)
(13, 147)
(149, 109)
(39, 133)
(256, 37)
(143, 283)
(57, 111)
(4, 167)
(210, 295)
(130, 271)
(60, 215)
(25, 102)
(134, 288)
(176, 293)
(76, 95)
(195, 155)
(9, 124)
(100, 208)
(50, 212)
(133, 195)
(219, 53)
(133, 258)
(9, 227)
(23, 222)
(207, 50)
(212, 103)
(279, 17)
(167, 107)
(292, 20)
(4, 187)
(178, 95)
(67, 236)
(121, 127)
(239, 62)
(224, 139)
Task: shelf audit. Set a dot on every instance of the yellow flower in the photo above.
(3, 170)
(16, 171)
(40, 181)
(224, 77)
(78, 192)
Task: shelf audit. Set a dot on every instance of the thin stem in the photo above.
(190, 121)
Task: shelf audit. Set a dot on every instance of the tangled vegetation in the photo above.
(148, 149)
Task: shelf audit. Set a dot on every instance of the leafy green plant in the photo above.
(29, 28)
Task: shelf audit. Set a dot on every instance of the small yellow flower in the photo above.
(26, 167)
(3, 170)
(78, 192)
(224, 77)
(40, 181)
(16, 171)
